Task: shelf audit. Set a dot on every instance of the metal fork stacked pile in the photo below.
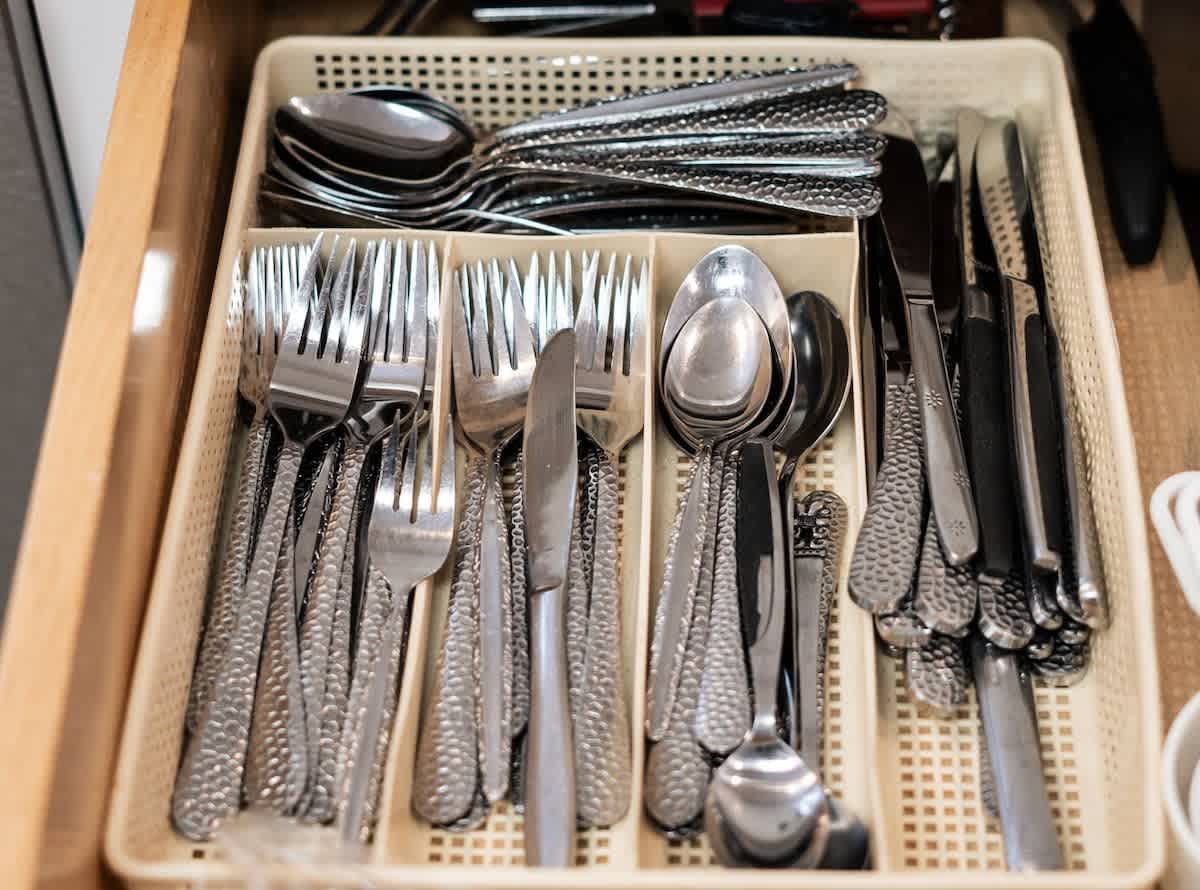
(470, 757)
(283, 714)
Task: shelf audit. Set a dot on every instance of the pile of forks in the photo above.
(297, 671)
(469, 753)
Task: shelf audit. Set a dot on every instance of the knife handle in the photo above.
(945, 463)
(549, 746)
(1035, 426)
(984, 377)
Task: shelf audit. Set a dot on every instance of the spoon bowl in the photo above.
(767, 808)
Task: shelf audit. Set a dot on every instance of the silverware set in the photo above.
(751, 149)
(976, 553)
(528, 696)
(291, 701)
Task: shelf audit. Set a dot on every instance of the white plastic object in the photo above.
(1175, 511)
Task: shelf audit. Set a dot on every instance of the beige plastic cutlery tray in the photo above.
(914, 779)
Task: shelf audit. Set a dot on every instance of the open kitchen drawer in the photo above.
(121, 395)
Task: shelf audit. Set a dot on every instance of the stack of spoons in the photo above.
(761, 147)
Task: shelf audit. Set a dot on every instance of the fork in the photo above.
(610, 380)
(392, 390)
(409, 536)
(493, 359)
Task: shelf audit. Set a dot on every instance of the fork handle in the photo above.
(495, 639)
(231, 578)
(208, 788)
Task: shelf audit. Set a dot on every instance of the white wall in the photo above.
(84, 41)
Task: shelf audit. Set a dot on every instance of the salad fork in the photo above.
(409, 536)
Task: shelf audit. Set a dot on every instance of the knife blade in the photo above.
(984, 370)
(1008, 212)
(907, 225)
(551, 472)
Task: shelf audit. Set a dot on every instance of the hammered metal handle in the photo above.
(277, 767)
(945, 595)
(676, 597)
(495, 666)
(1004, 617)
(885, 554)
(577, 591)
(936, 675)
(677, 768)
(231, 577)
(822, 113)
(325, 631)
(520, 604)
(802, 193)
(723, 708)
(208, 788)
(447, 767)
(603, 761)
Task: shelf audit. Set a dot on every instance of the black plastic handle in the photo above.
(983, 375)
(1047, 429)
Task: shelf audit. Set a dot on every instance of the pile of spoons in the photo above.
(761, 147)
(742, 372)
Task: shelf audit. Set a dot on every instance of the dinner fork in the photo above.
(409, 536)
(400, 293)
(610, 380)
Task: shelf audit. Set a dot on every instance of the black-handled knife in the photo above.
(1008, 213)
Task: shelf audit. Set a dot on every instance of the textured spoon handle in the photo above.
(603, 762)
(325, 631)
(885, 553)
(676, 597)
(723, 709)
(495, 640)
(711, 95)
(277, 769)
(1004, 617)
(903, 627)
(208, 788)
(520, 602)
(826, 152)
(448, 756)
(831, 196)
(677, 768)
(815, 113)
(231, 578)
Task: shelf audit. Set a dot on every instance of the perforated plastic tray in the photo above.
(914, 779)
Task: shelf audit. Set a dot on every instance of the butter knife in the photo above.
(551, 468)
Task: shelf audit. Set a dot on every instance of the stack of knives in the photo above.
(977, 553)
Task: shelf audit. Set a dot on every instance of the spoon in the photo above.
(765, 807)
(822, 354)
(726, 272)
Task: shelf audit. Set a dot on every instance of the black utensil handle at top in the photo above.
(984, 384)
(1047, 430)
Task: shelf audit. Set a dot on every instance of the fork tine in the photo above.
(551, 296)
(433, 304)
(358, 310)
(499, 339)
(523, 338)
(444, 495)
(604, 314)
(529, 297)
(585, 318)
(566, 293)
(244, 279)
(638, 301)
(620, 316)
(408, 499)
(418, 298)
(397, 298)
(462, 358)
(386, 494)
(318, 313)
(339, 296)
(299, 314)
(377, 342)
(485, 362)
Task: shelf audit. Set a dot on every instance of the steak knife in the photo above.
(551, 471)
(906, 221)
(1008, 212)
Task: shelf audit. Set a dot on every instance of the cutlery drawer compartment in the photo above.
(914, 779)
